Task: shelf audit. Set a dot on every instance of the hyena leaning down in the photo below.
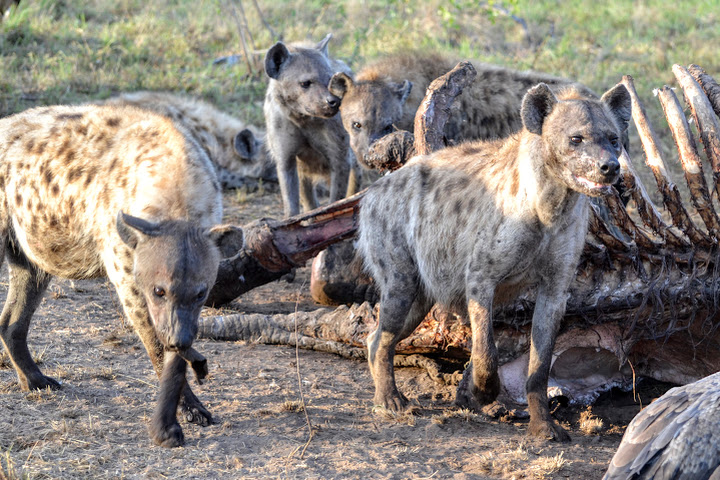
(237, 150)
(89, 191)
(470, 226)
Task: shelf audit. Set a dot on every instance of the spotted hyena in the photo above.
(89, 191)
(469, 226)
(236, 150)
(386, 95)
(305, 136)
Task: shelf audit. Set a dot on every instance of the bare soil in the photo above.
(266, 401)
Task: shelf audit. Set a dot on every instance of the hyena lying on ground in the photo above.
(90, 190)
(236, 150)
(386, 94)
(471, 225)
(305, 136)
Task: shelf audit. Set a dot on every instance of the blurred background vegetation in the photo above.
(66, 51)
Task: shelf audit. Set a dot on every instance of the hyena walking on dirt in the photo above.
(305, 135)
(88, 191)
(469, 226)
(236, 150)
(387, 93)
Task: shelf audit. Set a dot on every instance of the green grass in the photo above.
(70, 51)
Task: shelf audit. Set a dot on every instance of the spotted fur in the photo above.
(237, 150)
(89, 191)
(470, 226)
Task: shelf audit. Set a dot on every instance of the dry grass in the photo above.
(589, 423)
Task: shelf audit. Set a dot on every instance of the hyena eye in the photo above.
(201, 295)
(159, 292)
(357, 125)
(576, 139)
(305, 84)
(614, 142)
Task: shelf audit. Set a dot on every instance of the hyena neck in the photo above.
(544, 193)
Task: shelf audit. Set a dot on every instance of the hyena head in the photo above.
(302, 75)
(175, 266)
(581, 137)
(369, 109)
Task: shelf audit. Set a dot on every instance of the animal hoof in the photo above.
(548, 430)
(168, 437)
(395, 403)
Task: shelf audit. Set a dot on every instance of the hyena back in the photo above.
(470, 226)
(89, 191)
(305, 136)
(387, 93)
(237, 150)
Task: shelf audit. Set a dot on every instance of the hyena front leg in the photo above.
(164, 428)
(191, 409)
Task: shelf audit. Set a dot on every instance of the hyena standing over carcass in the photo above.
(88, 191)
(471, 225)
(236, 150)
(305, 136)
(387, 93)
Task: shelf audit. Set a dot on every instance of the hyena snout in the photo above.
(609, 168)
(181, 328)
(332, 101)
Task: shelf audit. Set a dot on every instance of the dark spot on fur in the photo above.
(127, 269)
(381, 264)
(112, 121)
(47, 177)
(134, 290)
(2, 181)
(29, 145)
(69, 116)
(90, 176)
(65, 219)
(55, 189)
(458, 206)
(81, 130)
(53, 221)
(474, 291)
(73, 174)
(514, 185)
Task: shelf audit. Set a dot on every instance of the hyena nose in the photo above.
(333, 101)
(610, 167)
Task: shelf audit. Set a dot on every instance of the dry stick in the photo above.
(265, 23)
(654, 160)
(241, 31)
(705, 119)
(689, 159)
(299, 378)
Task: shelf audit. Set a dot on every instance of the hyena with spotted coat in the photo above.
(470, 226)
(305, 136)
(387, 93)
(89, 191)
(237, 150)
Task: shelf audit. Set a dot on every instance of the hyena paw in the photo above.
(193, 411)
(474, 398)
(168, 436)
(548, 430)
(394, 401)
(40, 382)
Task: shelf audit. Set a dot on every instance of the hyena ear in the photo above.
(245, 144)
(228, 238)
(402, 90)
(619, 102)
(132, 230)
(322, 45)
(275, 59)
(537, 104)
(340, 84)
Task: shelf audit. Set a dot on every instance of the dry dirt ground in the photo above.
(264, 400)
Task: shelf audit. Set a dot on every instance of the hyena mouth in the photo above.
(593, 186)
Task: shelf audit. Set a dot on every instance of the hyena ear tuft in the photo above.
(402, 90)
(340, 84)
(275, 59)
(537, 104)
(619, 102)
(132, 230)
(322, 45)
(230, 239)
(245, 144)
